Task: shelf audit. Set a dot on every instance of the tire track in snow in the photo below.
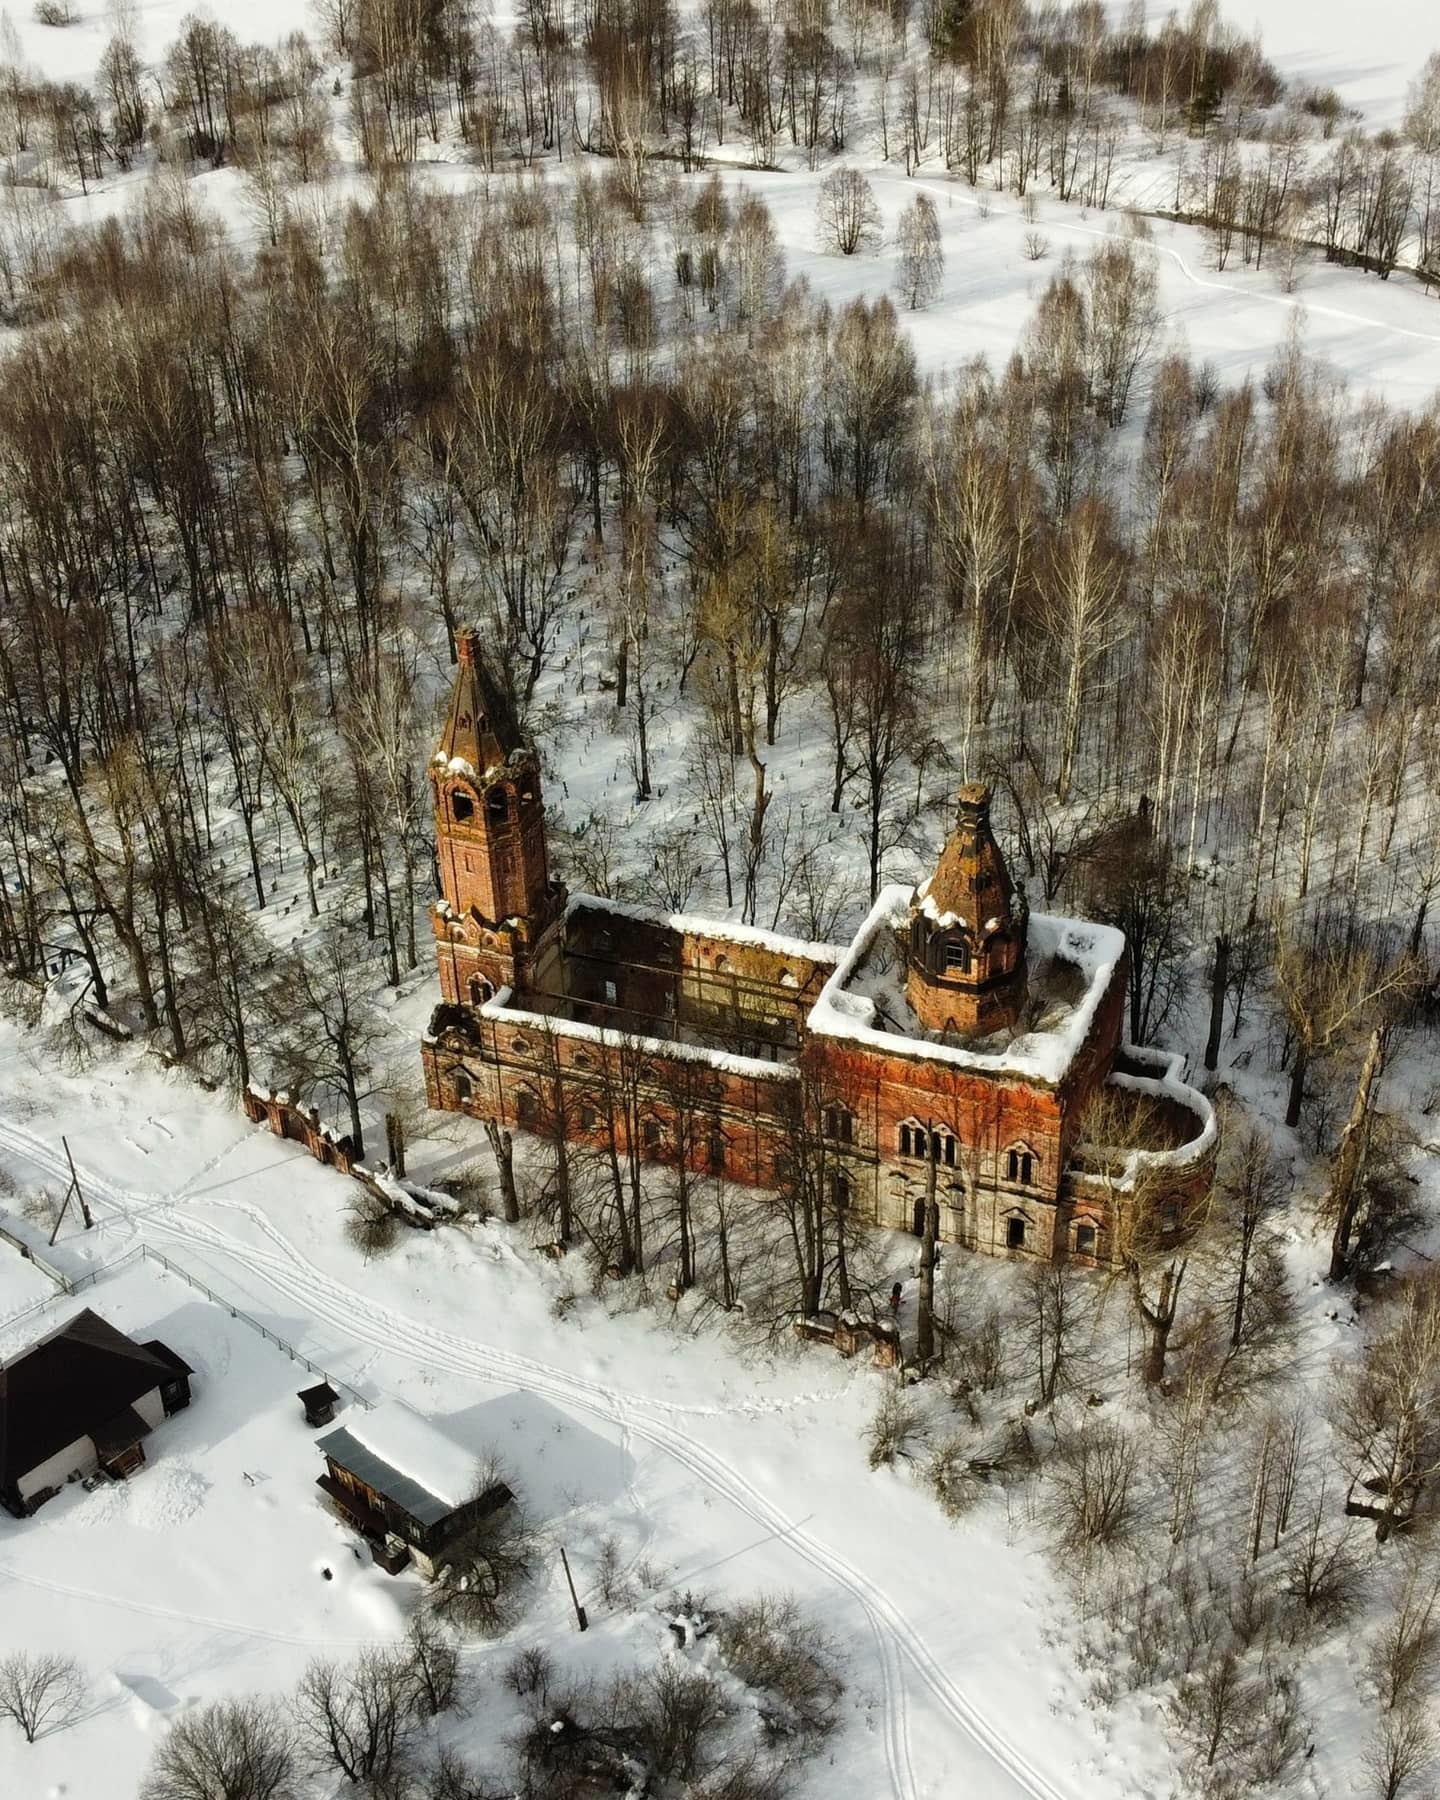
(150, 1610)
(358, 1316)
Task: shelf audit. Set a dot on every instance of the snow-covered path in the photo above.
(265, 1265)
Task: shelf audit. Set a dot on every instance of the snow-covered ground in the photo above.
(1369, 57)
(204, 1576)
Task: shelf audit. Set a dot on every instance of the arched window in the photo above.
(527, 1107)
(957, 956)
(497, 806)
(839, 1124)
(480, 990)
(462, 1087)
(589, 1118)
(939, 1143)
(1020, 1166)
(722, 964)
(462, 807)
(652, 1134)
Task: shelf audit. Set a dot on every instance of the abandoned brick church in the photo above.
(957, 1027)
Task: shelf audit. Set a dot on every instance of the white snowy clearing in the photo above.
(204, 1576)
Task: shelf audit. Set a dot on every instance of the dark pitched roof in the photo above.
(480, 729)
(971, 882)
(174, 1362)
(69, 1384)
(122, 1432)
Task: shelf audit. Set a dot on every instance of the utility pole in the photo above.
(74, 1191)
(580, 1618)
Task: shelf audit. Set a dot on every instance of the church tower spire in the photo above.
(967, 931)
(498, 903)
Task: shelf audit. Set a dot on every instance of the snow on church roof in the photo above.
(729, 1062)
(694, 925)
(845, 1010)
(421, 1469)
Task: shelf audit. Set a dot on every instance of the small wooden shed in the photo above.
(319, 1402)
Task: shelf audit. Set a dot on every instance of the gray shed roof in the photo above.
(407, 1491)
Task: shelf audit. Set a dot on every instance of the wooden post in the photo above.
(74, 1190)
(580, 1618)
(79, 1191)
(395, 1136)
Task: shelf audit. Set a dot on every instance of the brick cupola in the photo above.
(497, 899)
(967, 931)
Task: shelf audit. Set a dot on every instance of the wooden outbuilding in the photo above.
(319, 1402)
(407, 1488)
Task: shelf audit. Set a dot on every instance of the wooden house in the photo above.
(84, 1398)
(409, 1490)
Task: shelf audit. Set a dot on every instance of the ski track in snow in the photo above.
(359, 1317)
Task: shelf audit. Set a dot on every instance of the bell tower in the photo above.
(498, 905)
(967, 931)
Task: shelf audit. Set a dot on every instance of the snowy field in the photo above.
(732, 1477)
(1369, 56)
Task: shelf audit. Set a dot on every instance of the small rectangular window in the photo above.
(611, 993)
(717, 1150)
(1085, 1240)
(589, 1118)
(957, 956)
(1014, 1234)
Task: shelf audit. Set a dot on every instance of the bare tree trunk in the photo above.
(925, 1324)
(1218, 985)
(1157, 1319)
(1297, 1082)
(1345, 1184)
(503, 1146)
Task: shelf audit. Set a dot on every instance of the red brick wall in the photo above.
(497, 866)
(507, 1059)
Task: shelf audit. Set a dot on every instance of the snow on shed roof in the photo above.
(405, 1457)
(696, 925)
(843, 1011)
